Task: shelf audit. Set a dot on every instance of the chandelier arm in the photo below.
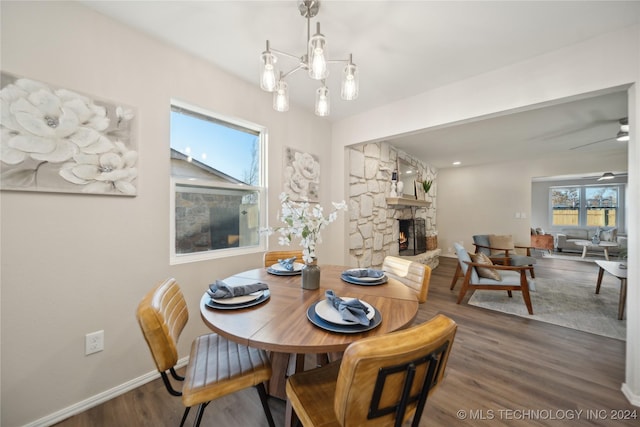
(336, 61)
(299, 67)
(289, 55)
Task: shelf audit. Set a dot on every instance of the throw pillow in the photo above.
(489, 273)
(501, 242)
(610, 235)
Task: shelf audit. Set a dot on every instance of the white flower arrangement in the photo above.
(305, 221)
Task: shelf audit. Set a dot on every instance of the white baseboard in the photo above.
(99, 398)
(633, 398)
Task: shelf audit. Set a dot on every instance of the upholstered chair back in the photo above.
(415, 275)
(162, 315)
(375, 372)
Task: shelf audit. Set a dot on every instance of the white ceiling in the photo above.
(403, 48)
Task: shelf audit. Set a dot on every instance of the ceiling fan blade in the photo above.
(591, 143)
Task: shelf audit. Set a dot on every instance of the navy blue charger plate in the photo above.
(344, 329)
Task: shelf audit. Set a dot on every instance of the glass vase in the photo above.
(311, 275)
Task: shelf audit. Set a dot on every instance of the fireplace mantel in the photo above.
(401, 201)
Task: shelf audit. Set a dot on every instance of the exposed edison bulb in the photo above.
(322, 101)
(281, 97)
(350, 84)
(268, 75)
(318, 69)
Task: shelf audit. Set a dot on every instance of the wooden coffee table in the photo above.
(586, 244)
(618, 269)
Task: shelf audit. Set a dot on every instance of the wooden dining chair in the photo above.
(413, 274)
(272, 257)
(216, 366)
(381, 380)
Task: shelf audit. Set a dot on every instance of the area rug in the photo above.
(572, 257)
(573, 305)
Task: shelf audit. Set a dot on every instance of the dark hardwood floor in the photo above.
(503, 371)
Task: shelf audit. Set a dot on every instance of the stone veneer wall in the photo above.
(373, 225)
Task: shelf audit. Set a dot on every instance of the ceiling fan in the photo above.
(622, 135)
(609, 176)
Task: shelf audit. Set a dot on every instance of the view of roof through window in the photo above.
(232, 151)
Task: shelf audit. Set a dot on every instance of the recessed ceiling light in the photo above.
(456, 163)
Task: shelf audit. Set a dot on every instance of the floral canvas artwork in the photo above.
(58, 140)
(301, 176)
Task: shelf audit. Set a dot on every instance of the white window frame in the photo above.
(582, 212)
(174, 181)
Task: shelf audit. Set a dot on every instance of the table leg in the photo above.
(584, 251)
(599, 282)
(623, 298)
(277, 383)
(606, 253)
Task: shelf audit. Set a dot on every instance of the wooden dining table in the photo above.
(280, 324)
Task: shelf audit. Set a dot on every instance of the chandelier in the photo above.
(314, 61)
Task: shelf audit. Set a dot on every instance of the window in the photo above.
(217, 185)
(565, 205)
(602, 206)
(599, 206)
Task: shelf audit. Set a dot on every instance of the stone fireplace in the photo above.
(374, 226)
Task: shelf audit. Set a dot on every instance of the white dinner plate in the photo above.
(239, 300)
(327, 312)
(362, 279)
(279, 267)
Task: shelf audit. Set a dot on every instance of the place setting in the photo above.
(344, 315)
(364, 276)
(235, 293)
(286, 267)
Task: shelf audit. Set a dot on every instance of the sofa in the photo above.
(566, 238)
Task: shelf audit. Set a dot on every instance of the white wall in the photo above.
(73, 264)
(485, 199)
(569, 72)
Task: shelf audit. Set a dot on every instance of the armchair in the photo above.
(501, 250)
(511, 278)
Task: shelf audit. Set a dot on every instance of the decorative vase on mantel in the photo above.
(311, 275)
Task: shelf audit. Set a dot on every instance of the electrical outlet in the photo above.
(93, 342)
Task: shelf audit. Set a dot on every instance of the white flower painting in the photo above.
(61, 141)
(301, 176)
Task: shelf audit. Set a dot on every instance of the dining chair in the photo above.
(482, 274)
(381, 381)
(272, 257)
(415, 275)
(216, 366)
